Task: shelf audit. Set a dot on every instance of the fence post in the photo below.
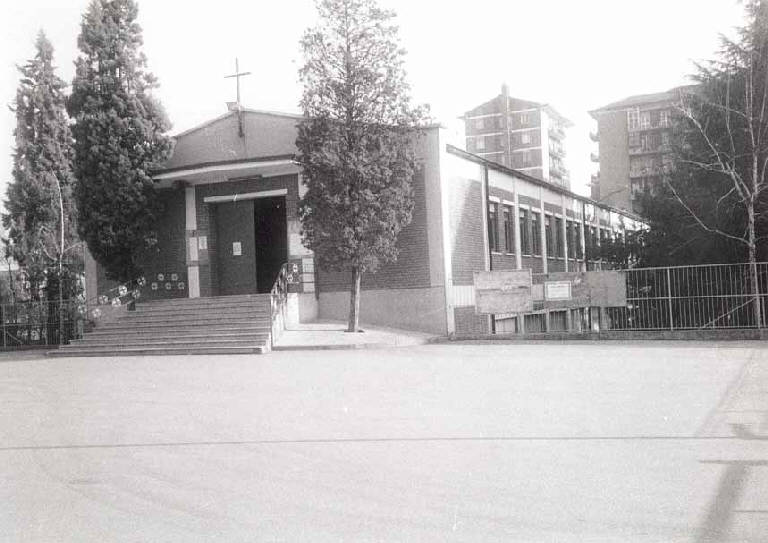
(669, 300)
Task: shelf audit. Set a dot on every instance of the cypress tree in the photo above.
(39, 216)
(356, 140)
(119, 137)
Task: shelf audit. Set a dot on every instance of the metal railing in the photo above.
(691, 297)
(40, 323)
(278, 300)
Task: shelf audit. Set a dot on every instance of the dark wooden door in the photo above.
(271, 240)
(235, 248)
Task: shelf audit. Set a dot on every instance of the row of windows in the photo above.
(642, 120)
(529, 230)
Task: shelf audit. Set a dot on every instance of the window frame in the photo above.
(493, 226)
(523, 227)
(509, 231)
(536, 233)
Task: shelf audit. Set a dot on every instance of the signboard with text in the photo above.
(504, 291)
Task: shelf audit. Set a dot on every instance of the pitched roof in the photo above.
(517, 104)
(645, 99)
(233, 112)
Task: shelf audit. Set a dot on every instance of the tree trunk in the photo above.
(753, 275)
(61, 257)
(753, 242)
(354, 300)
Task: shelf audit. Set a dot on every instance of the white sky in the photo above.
(575, 55)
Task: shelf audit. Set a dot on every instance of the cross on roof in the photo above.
(238, 74)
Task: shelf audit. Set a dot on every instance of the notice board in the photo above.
(507, 291)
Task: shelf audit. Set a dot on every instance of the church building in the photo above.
(230, 191)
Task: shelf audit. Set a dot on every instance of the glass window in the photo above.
(525, 238)
(523, 118)
(548, 238)
(479, 124)
(559, 244)
(664, 118)
(633, 119)
(536, 232)
(509, 234)
(493, 226)
(480, 142)
(525, 138)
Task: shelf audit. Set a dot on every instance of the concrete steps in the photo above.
(222, 325)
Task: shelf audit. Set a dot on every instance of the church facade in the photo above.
(230, 191)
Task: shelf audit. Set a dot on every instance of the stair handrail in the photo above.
(278, 300)
(123, 294)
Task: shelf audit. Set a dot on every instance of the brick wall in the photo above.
(467, 322)
(169, 257)
(534, 263)
(411, 270)
(466, 226)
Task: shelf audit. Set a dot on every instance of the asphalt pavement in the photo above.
(522, 442)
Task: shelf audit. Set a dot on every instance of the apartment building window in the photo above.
(525, 238)
(664, 118)
(501, 142)
(524, 119)
(480, 143)
(525, 139)
(509, 231)
(493, 226)
(479, 124)
(536, 232)
(633, 119)
(526, 159)
(645, 119)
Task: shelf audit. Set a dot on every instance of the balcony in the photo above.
(557, 150)
(594, 136)
(646, 150)
(594, 157)
(556, 132)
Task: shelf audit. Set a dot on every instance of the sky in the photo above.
(574, 55)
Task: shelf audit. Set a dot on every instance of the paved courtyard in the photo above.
(580, 442)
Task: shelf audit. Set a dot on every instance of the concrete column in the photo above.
(193, 265)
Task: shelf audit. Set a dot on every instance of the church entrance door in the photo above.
(252, 244)
(236, 254)
(271, 236)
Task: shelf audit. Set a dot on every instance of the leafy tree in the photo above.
(40, 215)
(356, 140)
(721, 171)
(118, 130)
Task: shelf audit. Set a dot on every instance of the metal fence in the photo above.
(40, 323)
(691, 297)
